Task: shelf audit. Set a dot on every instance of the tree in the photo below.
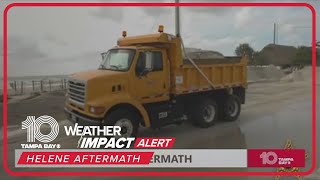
(303, 56)
(245, 49)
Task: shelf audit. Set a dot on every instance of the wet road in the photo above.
(274, 112)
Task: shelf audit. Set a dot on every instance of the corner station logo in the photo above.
(33, 125)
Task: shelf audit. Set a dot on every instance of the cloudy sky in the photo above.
(62, 40)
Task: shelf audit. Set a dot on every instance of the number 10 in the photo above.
(269, 158)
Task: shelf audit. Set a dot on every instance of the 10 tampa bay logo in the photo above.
(34, 134)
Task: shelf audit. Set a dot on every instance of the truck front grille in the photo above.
(77, 91)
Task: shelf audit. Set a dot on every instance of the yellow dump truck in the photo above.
(150, 81)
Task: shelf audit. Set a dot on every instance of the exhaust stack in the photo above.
(177, 12)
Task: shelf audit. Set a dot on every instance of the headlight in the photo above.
(96, 110)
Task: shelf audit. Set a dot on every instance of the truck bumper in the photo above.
(82, 120)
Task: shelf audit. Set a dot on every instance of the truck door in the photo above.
(151, 82)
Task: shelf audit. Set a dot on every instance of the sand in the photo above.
(272, 73)
(260, 73)
(304, 74)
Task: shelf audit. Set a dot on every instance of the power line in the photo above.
(276, 29)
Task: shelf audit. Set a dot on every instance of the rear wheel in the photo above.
(231, 108)
(204, 114)
(127, 120)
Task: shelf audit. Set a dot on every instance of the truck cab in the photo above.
(127, 78)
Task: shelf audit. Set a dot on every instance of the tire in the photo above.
(128, 121)
(205, 113)
(231, 108)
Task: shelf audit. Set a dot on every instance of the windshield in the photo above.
(117, 59)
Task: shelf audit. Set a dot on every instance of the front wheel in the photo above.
(127, 120)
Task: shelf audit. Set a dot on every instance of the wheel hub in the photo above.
(209, 113)
(233, 108)
(124, 130)
(126, 127)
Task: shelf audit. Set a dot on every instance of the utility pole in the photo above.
(274, 33)
(177, 12)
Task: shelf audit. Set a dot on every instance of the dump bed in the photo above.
(222, 72)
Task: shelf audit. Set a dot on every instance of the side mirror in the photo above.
(144, 72)
(103, 55)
